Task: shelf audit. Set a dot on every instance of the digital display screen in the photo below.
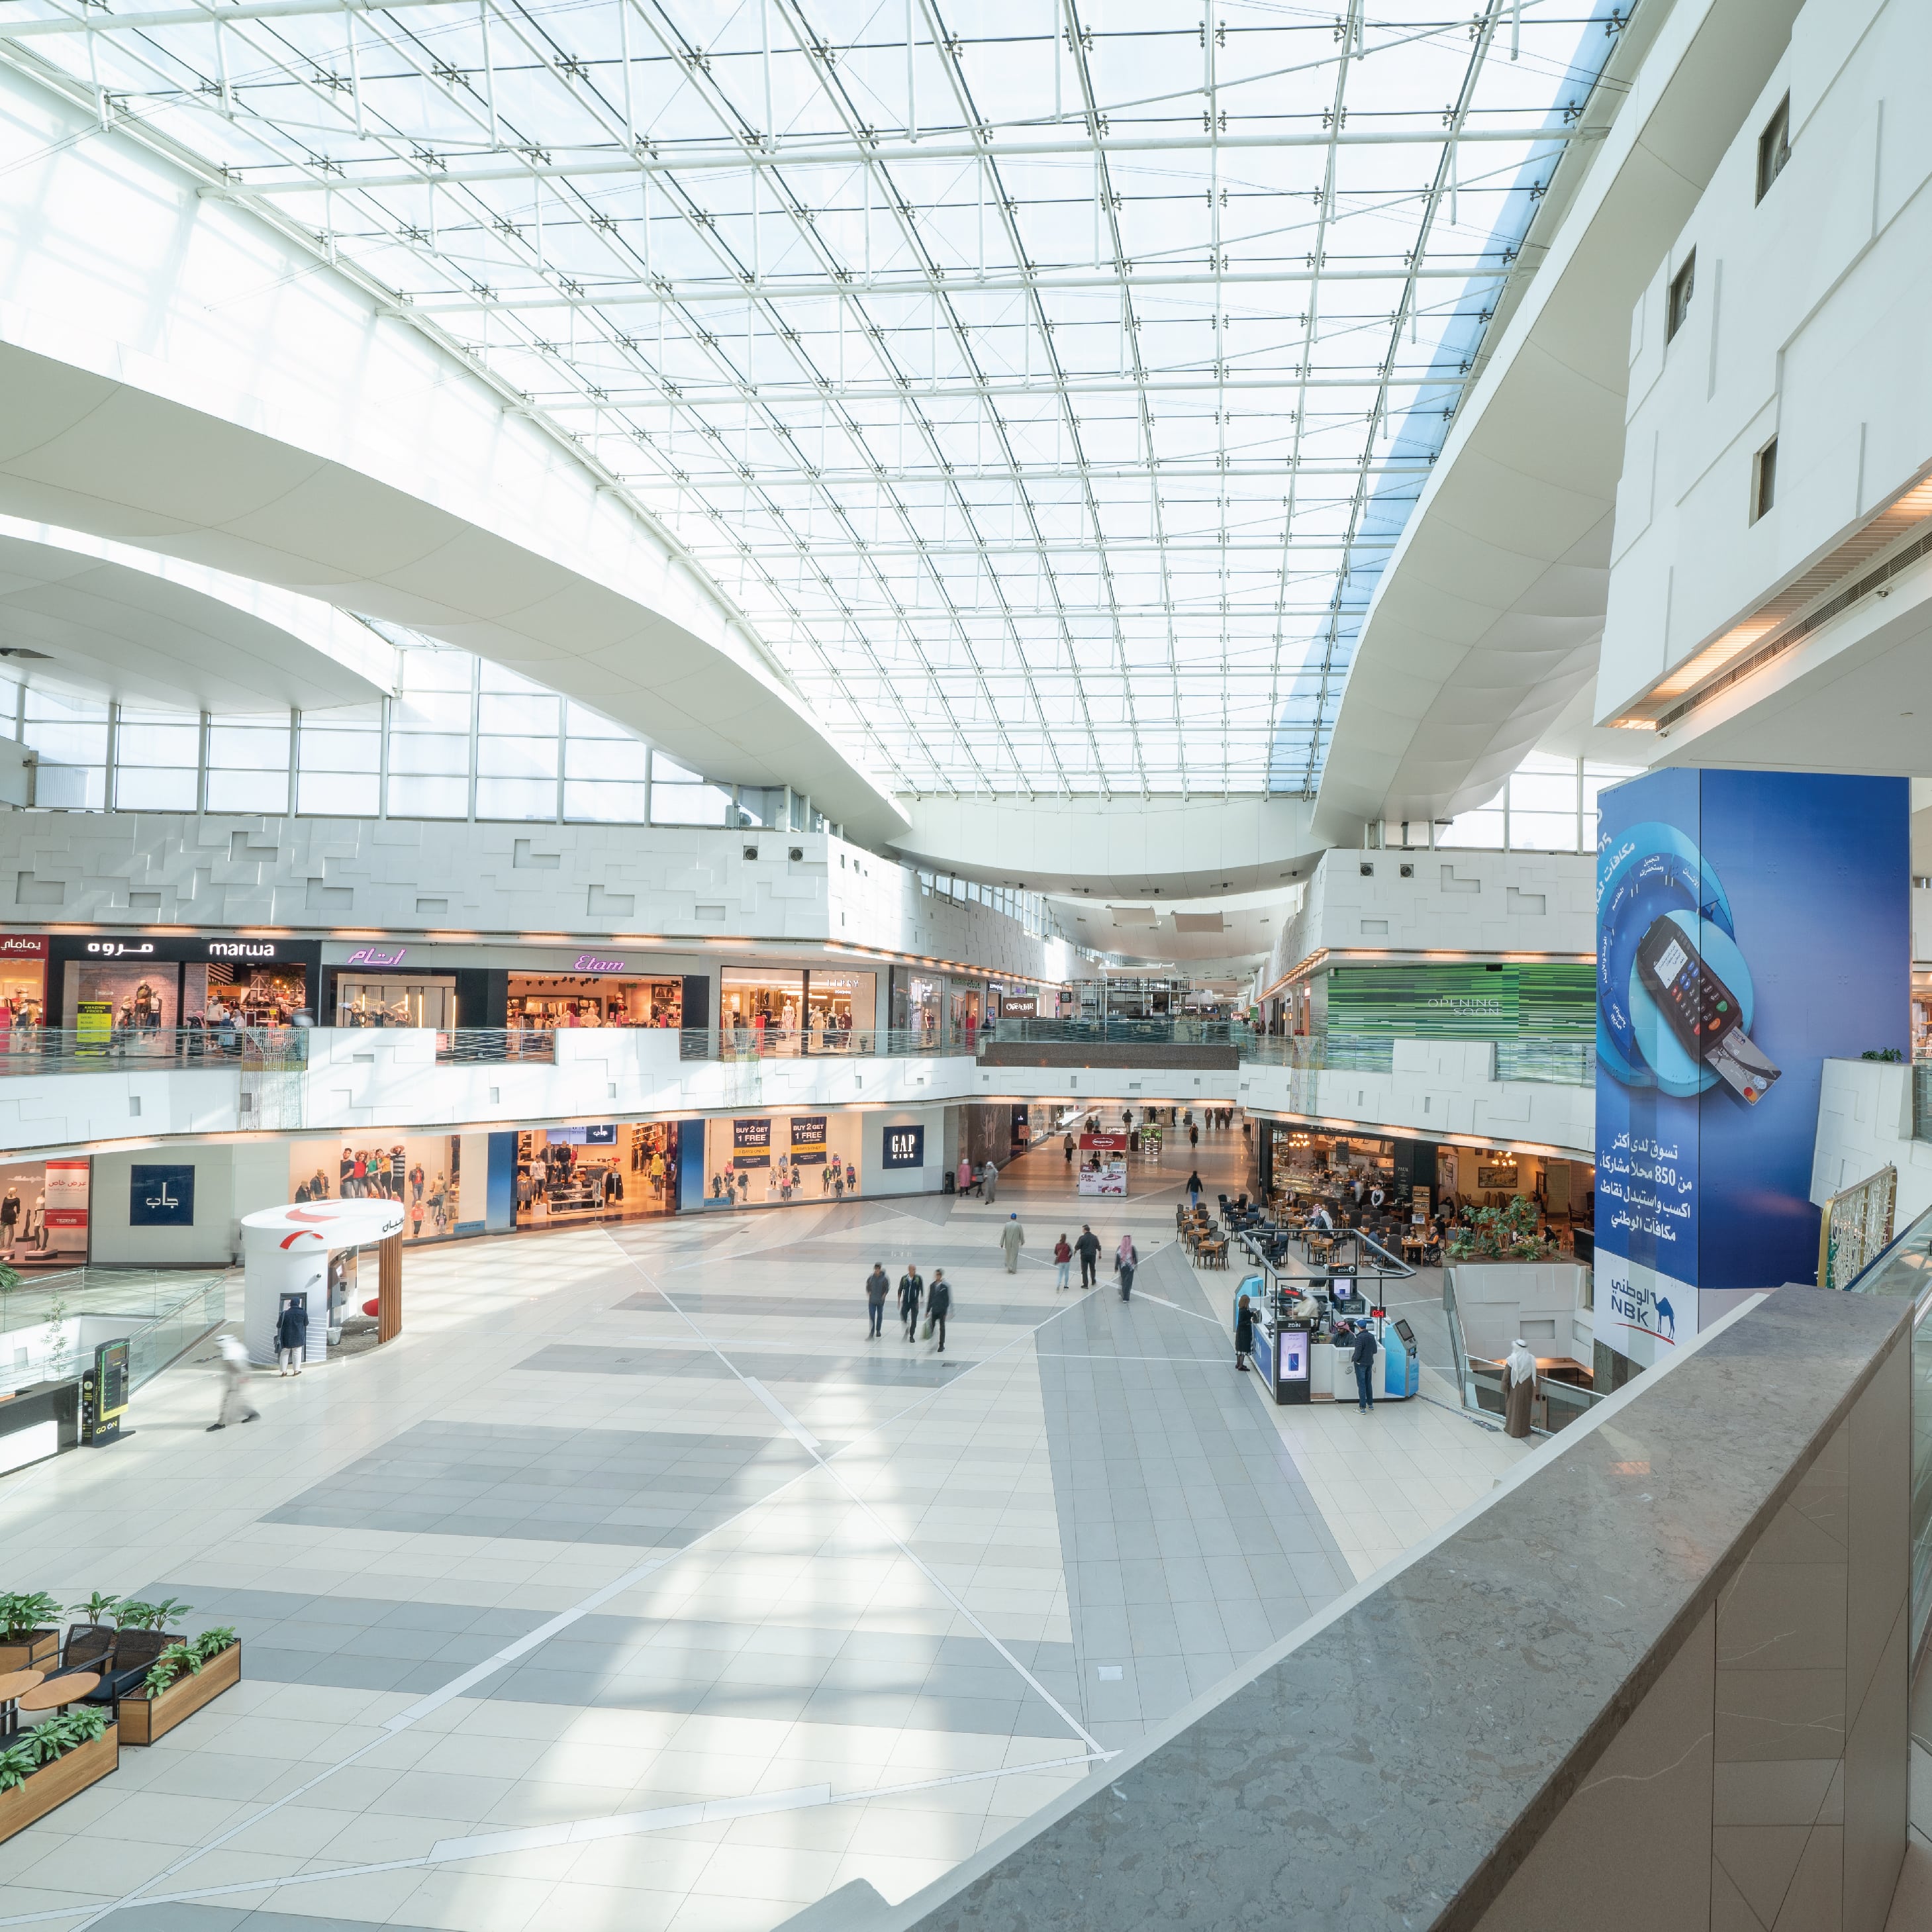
(1672, 964)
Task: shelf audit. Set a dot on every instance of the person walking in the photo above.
(1193, 1135)
(990, 1175)
(1126, 1259)
(1012, 1238)
(964, 1182)
(1244, 1332)
(292, 1334)
(912, 1291)
(234, 1379)
(1066, 1148)
(938, 1306)
(876, 1285)
(1088, 1248)
(1194, 1188)
(1063, 1259)
(1364, 1356)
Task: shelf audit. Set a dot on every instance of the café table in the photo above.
(15, 1684)
(54, 1693)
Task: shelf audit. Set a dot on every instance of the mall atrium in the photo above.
(745, 745)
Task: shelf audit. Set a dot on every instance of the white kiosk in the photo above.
(288, 1251)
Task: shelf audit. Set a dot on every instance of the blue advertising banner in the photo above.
(904, 1147)
(161, 1197)
(1749, 926)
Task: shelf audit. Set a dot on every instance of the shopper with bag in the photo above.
(938, 1306)
(1126, 1259)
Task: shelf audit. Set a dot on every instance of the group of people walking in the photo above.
(914, 1290)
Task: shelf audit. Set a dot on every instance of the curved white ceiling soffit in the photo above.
(191, 382)
(1487, 622)
(1120, 850)
(89, 615)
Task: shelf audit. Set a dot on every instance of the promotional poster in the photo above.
(1749, 926)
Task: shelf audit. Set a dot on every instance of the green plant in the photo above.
(1504, 1233)
(188, 1657)
(169, 1665)
(1889, 1054)
(133, 1614)
(52, 1738)
(22, 1613)
(97, 1607)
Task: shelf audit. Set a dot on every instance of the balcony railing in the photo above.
(85, 1050)
(1904, 1273)
(1178, 1030)
(797, 1042)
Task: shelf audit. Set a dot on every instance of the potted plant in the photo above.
(184, 1677)
(97, 1616)
(130, 1613)
(29, 1630)
(55, 1760)
(1504, 1233)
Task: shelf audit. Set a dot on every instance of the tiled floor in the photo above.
(635, 1587)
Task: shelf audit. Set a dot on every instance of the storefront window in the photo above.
(925, 1001)
(769, 1160)
(422, 1172)
(763, 1006)
(395, 1000)
(838, 1005)
(542, 999)
(618, 1171)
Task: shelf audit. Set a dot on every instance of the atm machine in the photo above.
(1402, 1366)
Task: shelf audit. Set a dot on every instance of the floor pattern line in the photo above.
(878, 1522)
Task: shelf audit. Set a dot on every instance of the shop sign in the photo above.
(752, 1143)
(161, 1197)
(376, 956)
(595, 962)
(1019, 1006)
(23, 945)
(1104, 1143)
(905, 1146)
(67, 1189)
(176, 949)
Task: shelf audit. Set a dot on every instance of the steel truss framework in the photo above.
(1045, 380)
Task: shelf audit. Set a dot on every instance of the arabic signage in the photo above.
(161, 1197)
(240, 950)
(67, 1190)
(23, 945)
(377, 955)
(1750, 925)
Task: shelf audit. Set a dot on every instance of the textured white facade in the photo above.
(1544, 903)
(1806, 323)
(403, 876)
(1435, 1088)
(1865, 1123)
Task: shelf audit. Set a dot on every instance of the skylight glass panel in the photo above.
(1048, 381)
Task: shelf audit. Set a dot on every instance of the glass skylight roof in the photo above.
(1045, 382)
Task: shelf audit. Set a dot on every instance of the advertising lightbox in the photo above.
(1749, 926)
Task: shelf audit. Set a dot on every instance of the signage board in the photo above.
(23, 945)
(752, 1143)
(1019, 1006)
(904, 1147)
(66, 1188)
(161, 1196)
(93, 1025)
(1749, 926)
(807, 1140)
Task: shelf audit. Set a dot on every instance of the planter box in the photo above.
(142, 1720)
(40, 1648)
(53, 1784)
